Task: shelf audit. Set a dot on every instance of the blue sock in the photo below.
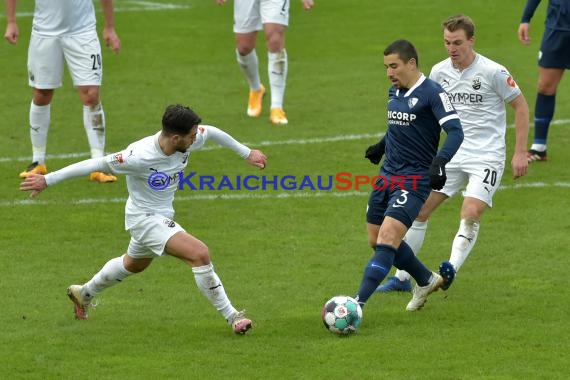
(375, 271)
(406, 260)
(543, 114)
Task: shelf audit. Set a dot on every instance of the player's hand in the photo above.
(436, 173)
(257, 158)
(12, 33)
(221, 2)
(519, 163)
(524, 37)
(307, 4)
(375, 152)
(111, 39)
(35, 183)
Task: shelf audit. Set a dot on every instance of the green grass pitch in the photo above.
(281, 254)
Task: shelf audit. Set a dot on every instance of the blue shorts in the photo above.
(555, 49)
(399, 202)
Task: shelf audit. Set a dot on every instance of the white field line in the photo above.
(253, 195)
(316, 140)
(127, 6)
(308, 141)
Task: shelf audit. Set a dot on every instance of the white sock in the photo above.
(415, 239)
(112, 273)
(94, 123)
(538, 147)
(39, 125)
(463, 242)
(277, 67)
(211, 286)
(250, 67)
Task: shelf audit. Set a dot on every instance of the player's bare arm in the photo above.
(519, 163)
(12, 32)
(36, 183)
(110, 37)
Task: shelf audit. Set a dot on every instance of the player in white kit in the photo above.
(153, 167)
(64, 31)
(478, 89)
(251, 16)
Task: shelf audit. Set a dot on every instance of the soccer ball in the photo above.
(342, 315)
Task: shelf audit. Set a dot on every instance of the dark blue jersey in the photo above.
(557, 14)
(415, 119)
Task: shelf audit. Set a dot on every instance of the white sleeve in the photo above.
(505, 85)
(224, 139)
(77, 170)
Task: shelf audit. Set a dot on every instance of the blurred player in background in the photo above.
(251, 16)
(152, 166)
(553, 60)
(478, 89)
(418, 109)
(65, 31)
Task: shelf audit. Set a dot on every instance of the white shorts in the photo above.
(149, 236)
(483, 178)
(81, 53)
(251, 15)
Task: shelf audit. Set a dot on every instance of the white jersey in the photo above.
(479, 93)
(63, 17)
(144, 161)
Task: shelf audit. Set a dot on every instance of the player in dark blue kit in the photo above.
(418, 108)
(553, 59)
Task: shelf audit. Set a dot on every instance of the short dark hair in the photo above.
(179, 119)
(405, 50)
(460, 21)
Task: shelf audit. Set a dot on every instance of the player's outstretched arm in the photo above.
(36, 183)
(257, 158)
(519, 163)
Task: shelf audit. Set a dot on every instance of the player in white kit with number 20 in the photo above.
(153, 167)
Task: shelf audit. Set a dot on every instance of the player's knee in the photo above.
(275, 44)
(471, 212)
(200, 255)
(547, 86)
(42, 97)
(245, 47)
(89, 95)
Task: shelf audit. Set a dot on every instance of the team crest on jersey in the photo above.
(476, 84)
(412, 102)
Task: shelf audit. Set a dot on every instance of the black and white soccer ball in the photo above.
(342, 315)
